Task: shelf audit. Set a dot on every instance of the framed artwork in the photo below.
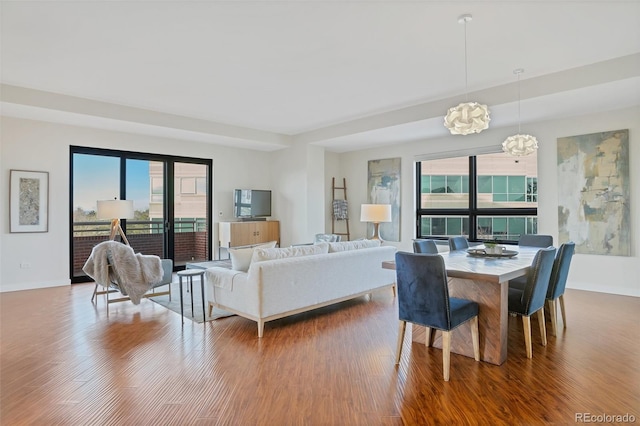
(29, 201)
(593, 192)
(383, 185)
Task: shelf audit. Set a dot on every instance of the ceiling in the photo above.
(342, 74)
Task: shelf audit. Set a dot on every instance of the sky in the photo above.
(97, 177)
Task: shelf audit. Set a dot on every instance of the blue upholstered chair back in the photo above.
(560, 270)
(423, 295)
(535, 291)
(535, 240)
(425, 246)
(458, 243)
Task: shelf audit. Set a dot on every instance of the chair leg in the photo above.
(564, 316)
(475, 336)
(393, 289)
(446, 354)
(543, 328)
(402, 326)
(95, 292)
(428, 336)
(526, 325)
(551, 304)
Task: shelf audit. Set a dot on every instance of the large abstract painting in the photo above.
(384, 188)
(593, 192)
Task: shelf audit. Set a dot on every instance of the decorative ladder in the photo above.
(343, 200)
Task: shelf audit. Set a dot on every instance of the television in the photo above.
(251, 203)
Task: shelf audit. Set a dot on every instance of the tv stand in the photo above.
(247, 233)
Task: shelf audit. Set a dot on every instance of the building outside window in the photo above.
(488, 196)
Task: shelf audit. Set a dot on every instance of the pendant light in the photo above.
(467, 117)
(519, 145)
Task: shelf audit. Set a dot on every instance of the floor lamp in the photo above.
(375, 213)
(115, 210)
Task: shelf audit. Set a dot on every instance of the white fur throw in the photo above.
(134, 273)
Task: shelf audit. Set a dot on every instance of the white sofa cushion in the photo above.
(352, 245)
(263, 254)
(241, 257)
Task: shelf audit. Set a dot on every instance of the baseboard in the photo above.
(610, 289)
(33, 285)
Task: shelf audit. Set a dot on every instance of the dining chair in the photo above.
(530, 299)
(423, 298)
(557, 284)
(425, 246)
(535, 240)
(458, 243)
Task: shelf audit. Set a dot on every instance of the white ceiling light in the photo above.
(519, 145)
(467, 117)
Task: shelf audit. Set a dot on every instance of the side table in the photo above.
(190, 273)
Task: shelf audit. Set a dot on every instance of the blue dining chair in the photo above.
(557, 284)
(425, 246)
(530, 299)
(458, 243)
(423, 298)
(535, 240)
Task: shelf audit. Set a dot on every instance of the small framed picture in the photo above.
(29, 201)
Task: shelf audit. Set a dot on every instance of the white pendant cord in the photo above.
(519, 100)
(466, 73)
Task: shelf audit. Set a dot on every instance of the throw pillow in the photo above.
(241, 257)
(262, 254)
(352, 245)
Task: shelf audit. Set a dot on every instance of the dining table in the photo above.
(484, 278)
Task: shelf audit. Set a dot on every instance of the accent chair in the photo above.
(458, 243)
(425, 246)
(558, 283)
(423, 298)
(535, 240)
(530, 299)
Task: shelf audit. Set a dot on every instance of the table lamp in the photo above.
(115, 210)
(375, 213)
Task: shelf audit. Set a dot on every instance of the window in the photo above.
(488, 196)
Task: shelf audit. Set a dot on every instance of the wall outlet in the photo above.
(219, 213)
(25, 265)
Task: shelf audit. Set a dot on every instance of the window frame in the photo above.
(473, 212)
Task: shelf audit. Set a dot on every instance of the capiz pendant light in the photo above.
(467, 117)
(519, 145)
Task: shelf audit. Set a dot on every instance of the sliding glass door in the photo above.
(171, 200)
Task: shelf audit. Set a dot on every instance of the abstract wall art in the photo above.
(29, 201)
(593, 192)
(384, 188)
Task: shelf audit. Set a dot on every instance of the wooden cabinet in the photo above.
(238, 234)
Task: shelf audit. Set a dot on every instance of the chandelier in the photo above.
(467, 117)
(519, 145)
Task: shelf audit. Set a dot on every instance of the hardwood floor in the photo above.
(64, 362)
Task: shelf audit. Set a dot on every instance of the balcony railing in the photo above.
(146, 237)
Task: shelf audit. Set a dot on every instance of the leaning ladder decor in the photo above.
(339, 208)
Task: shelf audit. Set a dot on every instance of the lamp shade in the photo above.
(115, 209)
(375, 213)
(520, 145)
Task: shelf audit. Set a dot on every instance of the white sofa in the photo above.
(299, 281)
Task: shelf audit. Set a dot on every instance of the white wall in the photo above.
(612, 274)
(300, 178)
(36, 145)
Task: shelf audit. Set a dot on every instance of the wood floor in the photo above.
(64, 362)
